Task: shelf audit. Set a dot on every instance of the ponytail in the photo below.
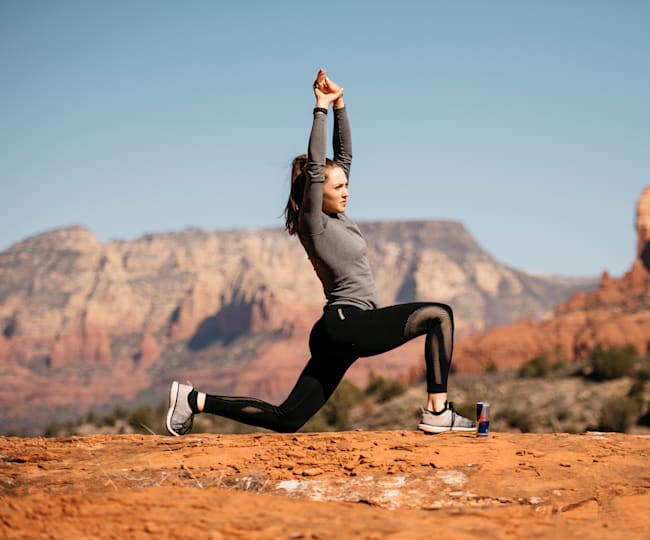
(292, 210)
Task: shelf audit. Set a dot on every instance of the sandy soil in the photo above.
(353, 485)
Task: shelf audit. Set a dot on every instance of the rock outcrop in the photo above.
(87, 323)
(617, 313)
(643, 228)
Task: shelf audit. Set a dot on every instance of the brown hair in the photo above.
(298, 179)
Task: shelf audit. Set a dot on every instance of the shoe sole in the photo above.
(173, 397)
(442, 429)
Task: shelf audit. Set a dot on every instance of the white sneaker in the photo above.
(447, 420)
(179, 416)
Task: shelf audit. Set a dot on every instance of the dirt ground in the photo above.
(352, 485)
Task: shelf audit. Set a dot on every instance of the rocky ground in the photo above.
(345, 485)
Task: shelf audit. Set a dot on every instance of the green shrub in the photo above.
(613, 363)
(316, 423)
(120, 413)
(563, 414)
(382, 389)
(643, 371)
(539, 366)
(637, 391)
(53, 429)
(491, 368)
(644, 420)
(142, 418)
(571, 428)
(637, 394)
(521, 420)
(619, 414)
(335, 414)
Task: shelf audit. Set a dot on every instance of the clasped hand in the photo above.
(327, 91)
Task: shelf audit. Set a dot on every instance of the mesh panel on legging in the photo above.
(438, 322)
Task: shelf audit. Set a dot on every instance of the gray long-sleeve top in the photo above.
(334, 243)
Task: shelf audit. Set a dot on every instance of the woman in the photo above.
(352, 326)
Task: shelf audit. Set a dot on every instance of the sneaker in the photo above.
(447, 420)
(179, 416)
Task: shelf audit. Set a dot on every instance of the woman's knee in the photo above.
(426, 317)
(450, 313)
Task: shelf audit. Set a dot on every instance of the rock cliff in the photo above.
(84, 323)
(617, 313)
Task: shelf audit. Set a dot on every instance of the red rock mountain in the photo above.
(84, 323)
(617, 313)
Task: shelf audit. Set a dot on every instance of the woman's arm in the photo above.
(312, 219)
(342, 140)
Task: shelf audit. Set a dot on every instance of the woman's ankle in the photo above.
(437, 402)
(196, 401)
(200, 401)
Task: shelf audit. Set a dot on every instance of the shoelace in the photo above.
(450, 406)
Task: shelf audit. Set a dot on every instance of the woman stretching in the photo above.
(352, 325)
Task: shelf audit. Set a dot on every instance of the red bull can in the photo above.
(482, 419)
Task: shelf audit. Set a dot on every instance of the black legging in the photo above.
(341, 336)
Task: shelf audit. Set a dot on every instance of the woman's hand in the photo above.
(327, 91)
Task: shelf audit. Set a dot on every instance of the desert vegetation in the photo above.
(620, 410)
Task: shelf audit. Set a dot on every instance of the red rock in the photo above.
(614, 315)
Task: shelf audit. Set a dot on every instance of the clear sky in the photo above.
(527, 121)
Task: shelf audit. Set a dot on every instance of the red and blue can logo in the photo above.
(482, 419)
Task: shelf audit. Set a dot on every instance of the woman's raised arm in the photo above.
(311, 209)
(311, 214)
(342, 138)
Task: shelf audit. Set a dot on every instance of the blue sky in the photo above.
(529, 122)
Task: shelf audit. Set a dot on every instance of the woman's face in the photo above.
(335, 191)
